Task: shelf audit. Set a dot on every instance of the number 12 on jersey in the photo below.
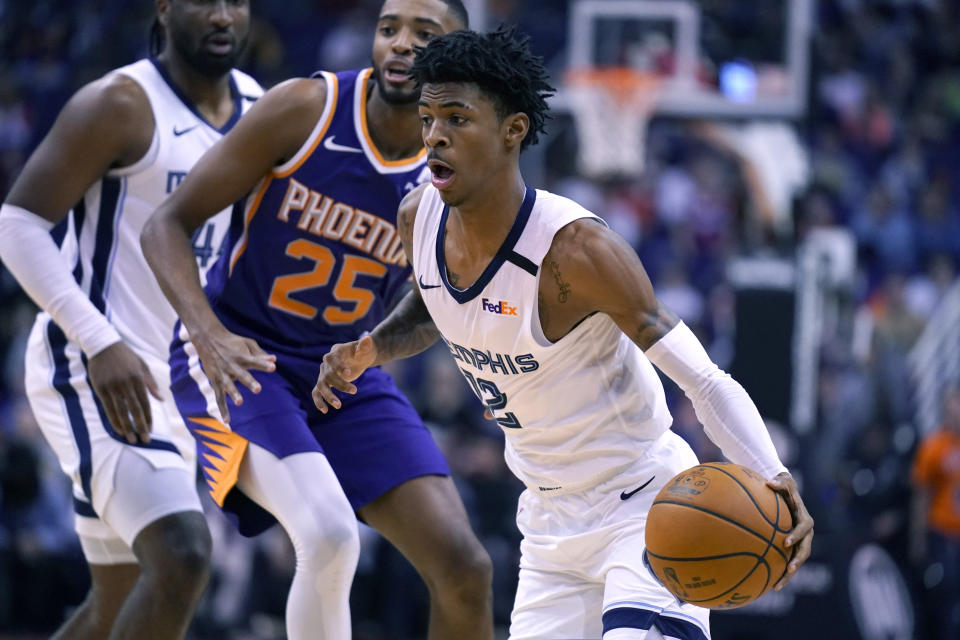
(344, 289)
(495, 400)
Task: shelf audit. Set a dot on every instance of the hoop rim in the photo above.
(618, 81)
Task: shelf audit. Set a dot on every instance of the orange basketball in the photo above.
(715, 536)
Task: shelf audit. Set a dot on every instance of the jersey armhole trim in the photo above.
(523, 262)
(423, 209)
(143, 163)
(148, 158)
(323, 123)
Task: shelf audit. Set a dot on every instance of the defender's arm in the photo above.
(271, 132)
(274, 129)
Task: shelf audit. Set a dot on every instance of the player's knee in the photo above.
(189, 562)
(176, 551)
(334, 540)
(466, 572)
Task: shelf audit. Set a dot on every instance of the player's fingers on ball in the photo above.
(802, 530)
(803, 552)
(783, 581)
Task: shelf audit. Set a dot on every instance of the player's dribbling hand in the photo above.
(341, 366)
(801, 536)
(122, 380)
(226, 358)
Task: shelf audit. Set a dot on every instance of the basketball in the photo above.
(715, 536)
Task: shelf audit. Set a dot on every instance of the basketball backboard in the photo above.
(722, 58)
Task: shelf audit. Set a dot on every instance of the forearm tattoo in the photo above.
(408, 330)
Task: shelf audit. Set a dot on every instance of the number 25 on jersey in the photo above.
(357, 300)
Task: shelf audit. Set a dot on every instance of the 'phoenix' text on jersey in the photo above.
(322, 216)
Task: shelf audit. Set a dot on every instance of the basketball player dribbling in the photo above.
(314, 260)
(96, 365)
(555, 325)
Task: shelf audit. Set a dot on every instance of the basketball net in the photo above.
(612, 107)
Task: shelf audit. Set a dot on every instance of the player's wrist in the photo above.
(202, 325)
(84, 324)
(378, 344)
(97, 348)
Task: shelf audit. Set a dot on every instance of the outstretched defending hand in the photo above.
(801, 536)
(121, 380)
(227, 357)
(341, 366)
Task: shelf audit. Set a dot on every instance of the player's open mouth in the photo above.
(396, 74)
(443, 175)
(219, 44)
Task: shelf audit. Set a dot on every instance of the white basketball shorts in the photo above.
(582, 575)
(99, 460)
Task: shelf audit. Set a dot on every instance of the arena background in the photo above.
(811, 241)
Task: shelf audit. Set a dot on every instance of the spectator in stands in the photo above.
(935, 539)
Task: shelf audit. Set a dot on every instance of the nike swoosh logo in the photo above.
(625, 495)
(427, 286)
(330, 145)
(180, 132)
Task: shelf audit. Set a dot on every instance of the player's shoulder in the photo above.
(295, 97)
(115, 98)
(581, 240)
(578, 229)
(111, 112)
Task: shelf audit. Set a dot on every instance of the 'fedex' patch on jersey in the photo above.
(501, 307)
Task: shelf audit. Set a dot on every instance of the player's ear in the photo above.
(515, 129)
(162, 7)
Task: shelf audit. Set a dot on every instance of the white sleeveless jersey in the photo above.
(574, 412)
(103, 236)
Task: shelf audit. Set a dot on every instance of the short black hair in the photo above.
(456, 7)
(499, 63)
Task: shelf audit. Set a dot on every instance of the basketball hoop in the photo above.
(612, 107)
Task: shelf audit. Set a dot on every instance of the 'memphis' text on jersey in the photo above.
(502, 363)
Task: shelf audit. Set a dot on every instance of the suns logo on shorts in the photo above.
(501, 307)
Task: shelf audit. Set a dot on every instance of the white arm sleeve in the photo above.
(729, 417)
(31, 255)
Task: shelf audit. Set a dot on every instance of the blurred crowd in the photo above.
(882, 143)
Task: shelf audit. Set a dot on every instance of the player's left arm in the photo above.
(592, 269)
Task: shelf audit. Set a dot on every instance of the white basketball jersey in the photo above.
(574, 412)
(104, 230)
